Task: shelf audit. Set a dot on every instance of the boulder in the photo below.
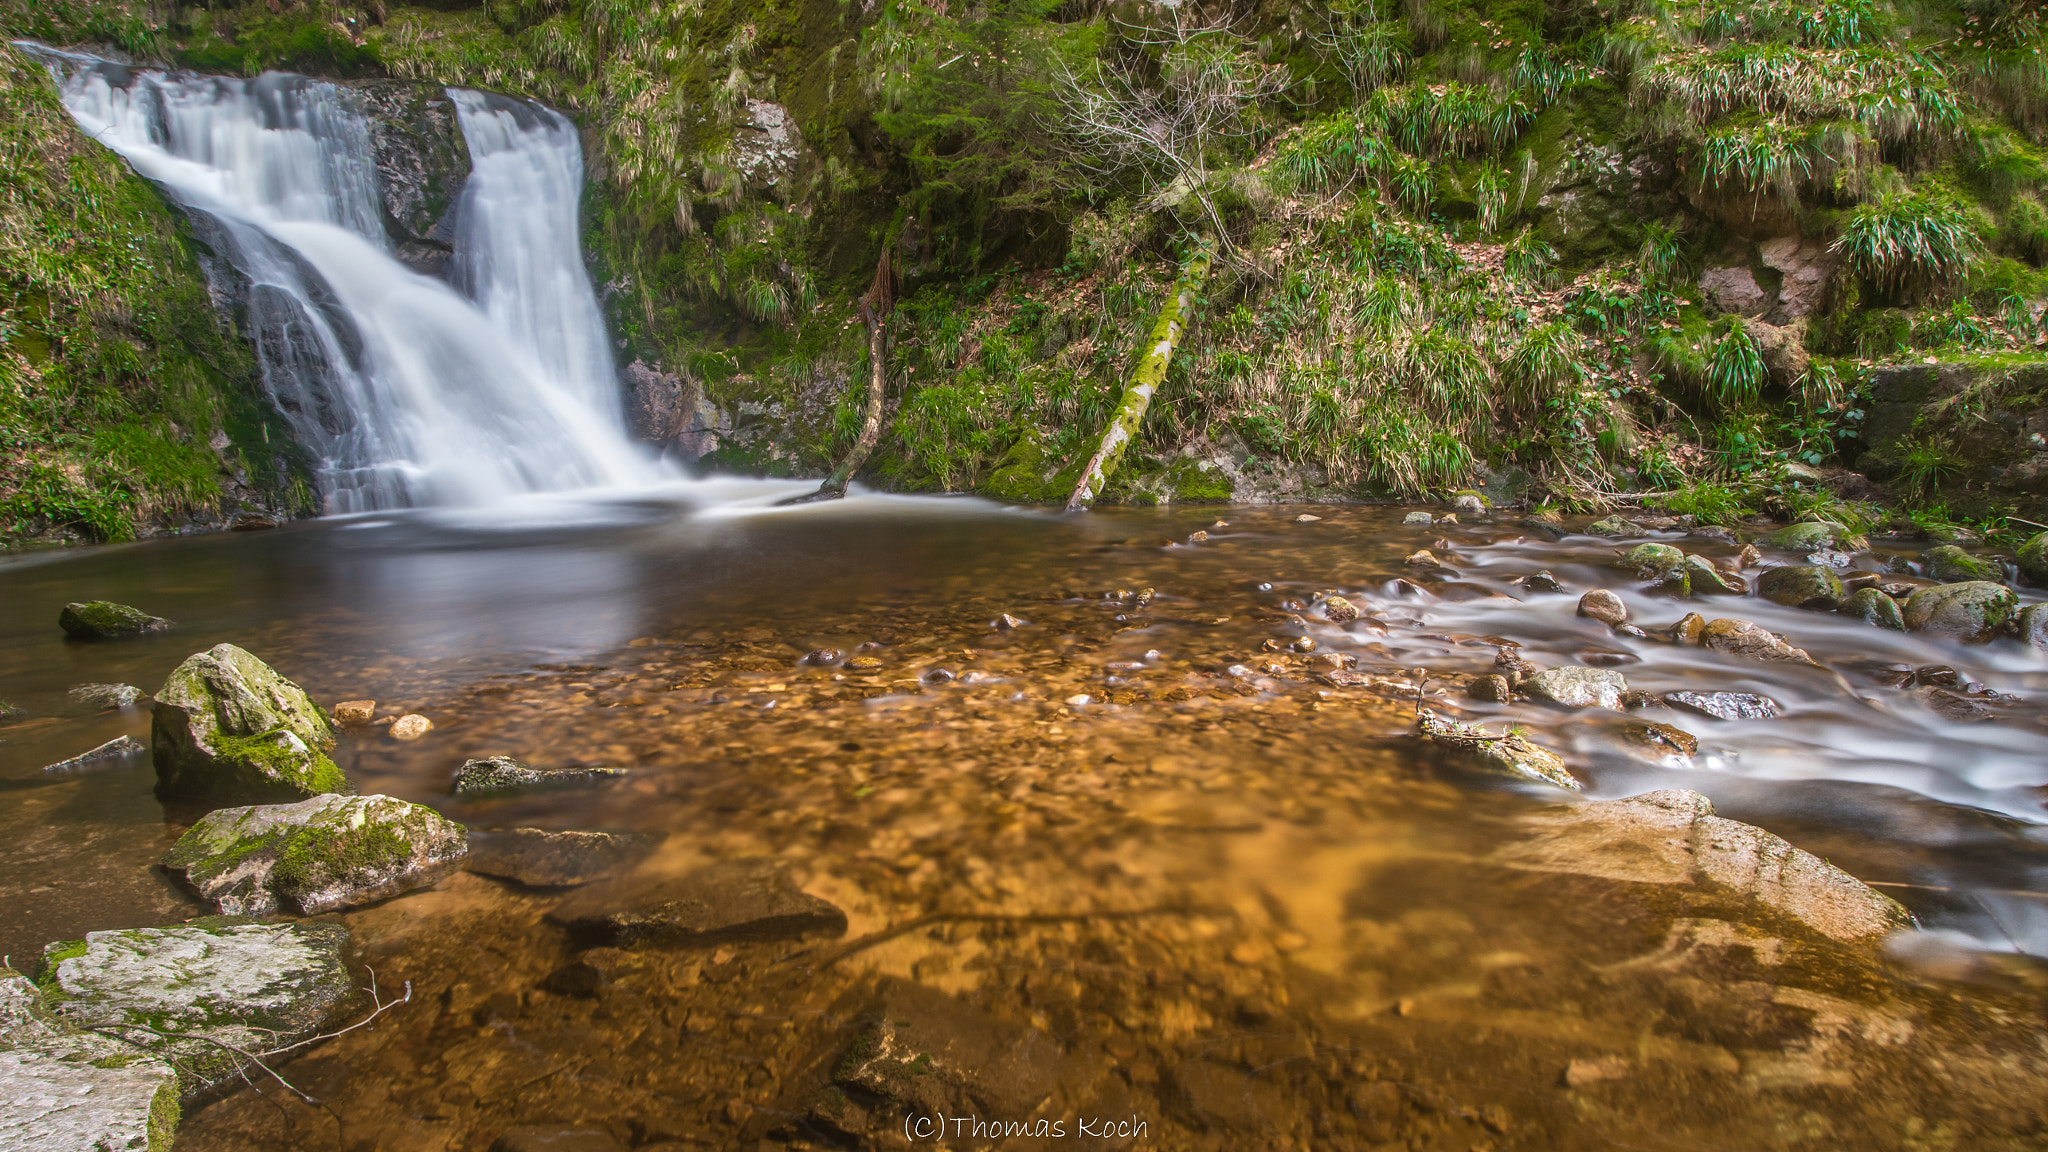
(1418, 518)
(1816, 536)
(316, 856)
(1653, 561)
(1725, 705)
(1662, 740)
(106, 620)
(730, 900)
(193, 993)
(1708, 580)
(502, 775)
(1949, 564)
(1673, 837)
(227, 726)
(544, 859)
(1874, 607)
(1604, 606)
(62, 1088)
(1509, 753)
(1468, 504)
(1805, 586)
(2033, 626)
(1750, 642)
(1494, 689)
(2033, 559)
(114, 753)
(1578, 687)
(103, 695)
(1973, 611)
(1614, 527)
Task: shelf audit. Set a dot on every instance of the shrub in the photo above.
(1909, 238)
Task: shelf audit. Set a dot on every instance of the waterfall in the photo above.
(405, 390)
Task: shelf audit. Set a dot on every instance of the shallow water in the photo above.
(1251, 910)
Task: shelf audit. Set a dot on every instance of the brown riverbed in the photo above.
(1217, 910)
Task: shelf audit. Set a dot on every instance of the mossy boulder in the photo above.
(227, 726)
(2033, 627)
(1951, 565)
(502, 775)
(1653, 561)
(1874, 607)
(2033, 558)
(317, 855)
(106, 620)
(1803, 586)
(1973, 611)
(1615, 527)
(1707, 580)
(63, 1087)
(1815, 536)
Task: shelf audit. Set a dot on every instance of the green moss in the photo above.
(263, 762)
(164, 1114)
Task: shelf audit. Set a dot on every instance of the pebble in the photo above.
(864, 664)
(411, 726)
(1305, 644)
(1305, 518)
(1604, 606)
(1007, 622)
(354, 713)
(938, 676)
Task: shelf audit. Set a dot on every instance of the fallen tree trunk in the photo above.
(1130, 412)
(875, 309)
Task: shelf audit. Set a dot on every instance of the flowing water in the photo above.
(1250, 910)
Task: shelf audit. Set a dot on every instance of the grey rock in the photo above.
(1749, 641)
(227, 726)
(1468, 505)
(1673, 837)
(1419, 518)
(103, 695)
(422, 164)
(1805, 586)
(1604, 606)
(106, 620)
(316, 856)
(1708, 580)
(730, 900)
(65, 1089)
(498, 775)
(1578, 687)
(2033, 626)
(1874, 607)
(544, 859)
(1616, 527)
(1509, 753)
(120, 750)
(1972, 612)
(1816, 535)
(1725, 705)
(1951, 565)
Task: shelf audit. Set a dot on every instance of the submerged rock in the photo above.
(1725, 705)
(1604, 606)
(1805, 586)
(544, 859)
(11, 713)
(317, 855)
(730, 900)
(193, 993)
(1689, 628)
(1874, 607)
(1510, 752)
(63, 1089)
(1662, 739)
(1750, 642)
(1578, 687)
(1673, 837)
(106, 620)
(104, 695)
(1972, 612)
(119, 750)
(502, 774)
(1338, 610)
(2033, 559)
(1951, 706)
(1951, 565)
(227, 726)
(1708, 580)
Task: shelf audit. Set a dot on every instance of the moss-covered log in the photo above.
(1130, 413)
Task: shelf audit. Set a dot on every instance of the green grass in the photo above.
(1906, 239)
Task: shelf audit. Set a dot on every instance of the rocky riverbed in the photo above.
(1287, 837)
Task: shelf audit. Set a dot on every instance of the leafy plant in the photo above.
(1909, 238)
(1708, 502)
(1923, 463)
(1734, 371)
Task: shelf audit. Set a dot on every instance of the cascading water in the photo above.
(405, 391)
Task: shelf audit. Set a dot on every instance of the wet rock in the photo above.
(355, 713)
(1725, 705)
(864, 664)
(1510, 752)
(1653, 561)
(1492, 688)
(1540, 582)
(1708, 580)
(1805, 586)
(11, 713)
(939, 676)
(227, 726)
(555, 1138)
(1338, 610)
(1949, 564)
(1749, 557)
(61, 1088)
(1673, 837)
(1198, 537)
(824, 657)
(1468, 504)
(1816, 535)
(2033, 626)
(1960, 709)
(1603, 658)
(1749, 641)
(1937, 676)
(103, 695)
(1604, 606)
(1636, 698)
(730, 900)
(106, 620)
(1332, 661)
(1689, 628)
(1828, 558)
(1303, 644)
(221, 983)
(1305, 518)
(1614, 526)
(1662, 738)
(1420, 518)
(1423, 558)
(2033, 559)
(120, 750)
(1511, 664)
(1578, 687)
(1712, 532)
(1582, 1073)
(499, 775)
(1874, 607)
(317, 855)
(1007, 622)
(410, 726)
(1972, 612)
(252, 522)
(544, 859)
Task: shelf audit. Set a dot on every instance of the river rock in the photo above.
(1540, 582)
(1725, 705)
(1750, 642)
(1805, 586)
(1418, 518)
(119, 750)
(11, 713)
(1815, 536)
(1510, 663)
(1874, 607)
(1615, 527)
(63, 1089)
(730, 900)
(1494, 689)
(1708, 580)
(410, 726)
(1689, 628)
(219, 981)
(2033, 559)
(1662, 739)
(1604, 606)
(106, 620)
(316, 856)
(1673, 837)
(1338, 610)
(1973, 611)
(494, 775)
(2033, 626)
(227, 726)
(1468, 504)
(1949, 564)
(103, 695)
(544, 859)
(1578, 687)
(1951, 706)
(355, 713)
(1510, 752)
(1653, 560)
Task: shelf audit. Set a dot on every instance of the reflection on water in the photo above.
(1235, 905)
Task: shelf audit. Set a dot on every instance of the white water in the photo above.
(407, 391)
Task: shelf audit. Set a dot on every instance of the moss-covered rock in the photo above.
(1653, 561)
(1815, 536)
(502, 775)
(1973, 611)
(317, 855)
(227, 726)
(1508, 753)
(1615, 527)
(1874, 607)
(62, 1087)
(1951, 565)
(1802, 586)
(1708, 580)
(2033, 558)
(106, 620)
